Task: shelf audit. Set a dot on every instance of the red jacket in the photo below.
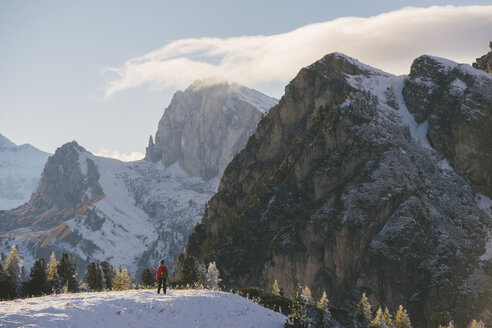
(160, 273)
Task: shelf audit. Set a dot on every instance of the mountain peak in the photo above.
(204, 126)
(6, 143)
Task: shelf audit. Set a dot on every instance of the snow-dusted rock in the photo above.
(340, 189)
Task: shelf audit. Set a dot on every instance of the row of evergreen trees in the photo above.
(57, 277)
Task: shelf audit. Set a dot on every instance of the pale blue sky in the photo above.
(53, 54)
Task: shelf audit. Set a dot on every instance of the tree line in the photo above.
(57, 276)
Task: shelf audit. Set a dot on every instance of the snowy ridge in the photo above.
(139, 308)
(388, 90)
(262, 102)
(20, 170)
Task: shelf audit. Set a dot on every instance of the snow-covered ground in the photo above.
(139, 308)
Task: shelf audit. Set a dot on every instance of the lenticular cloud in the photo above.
(388, 41)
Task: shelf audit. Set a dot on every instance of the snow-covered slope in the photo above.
(128, 213)
(139, 308)
(20, 168)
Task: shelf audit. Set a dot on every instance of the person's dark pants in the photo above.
(161, 282)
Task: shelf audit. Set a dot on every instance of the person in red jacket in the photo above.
(161, 277)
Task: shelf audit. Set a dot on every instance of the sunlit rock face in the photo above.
(207, 124)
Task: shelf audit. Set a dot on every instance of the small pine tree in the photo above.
(297, 317)
(94, 277)
(121, 279)
(13, 270)
(148, 277)
(402, 320)
(213, 278)
(308, 298)
(189, 273)
(364, 310)
(6, 290)
(108, 274)
(388, 319)
(38, 285)
(275, 289)
(52, 267)
(67, 271)
(323, 304)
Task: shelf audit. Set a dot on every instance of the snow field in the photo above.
(139, 308)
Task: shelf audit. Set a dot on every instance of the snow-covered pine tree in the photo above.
(308, 298)
(213, 278)
(323, 303)
(388, 318)
(402, 320)
(202, 274)
(108, 274)
(38, 285)
(297, 317)
(364, 310)
(13, 270)
(275, 289)
(379, 321)
(67, 270)
(121, 279)
(94, 277)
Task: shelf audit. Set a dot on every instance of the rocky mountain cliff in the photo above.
(134, 213)
(20, 169)
(207, 124)
(361, 181)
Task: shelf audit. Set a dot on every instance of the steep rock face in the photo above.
(20, 169)
(339, 189)
(456, 102)
(205, 125)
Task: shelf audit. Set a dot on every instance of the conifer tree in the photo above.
(121, 279)
(213, 278)
(13, 270)
(38, 284)
(94, 277)
(189, 273)
(297, 317)
(308, 298)
(323, 303)
(6, 289)
(402, 320)
(54, 281)
(108, 274)
(388, 319)
(364, 310)
(275, 289)
(67, 271)
(148, 277)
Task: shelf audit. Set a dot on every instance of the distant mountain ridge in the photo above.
(20, 170)
(362, 181)
(133, 213)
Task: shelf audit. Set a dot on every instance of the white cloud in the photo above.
(125, 157)
(388, 41)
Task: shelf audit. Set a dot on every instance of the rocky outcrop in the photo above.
(456, 102)
(204, 126)
(338, 189)
(485, 62)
